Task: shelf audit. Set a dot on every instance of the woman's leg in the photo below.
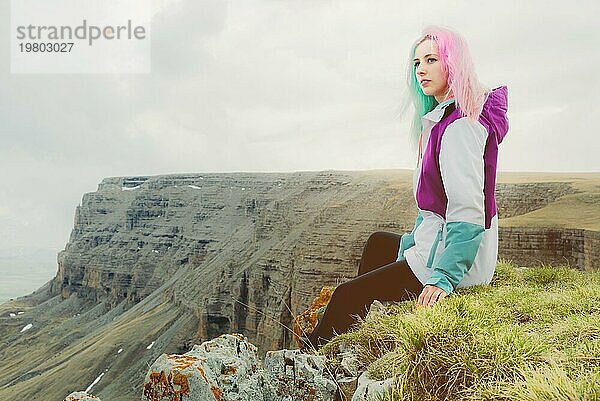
(380, 249)
(392, 282)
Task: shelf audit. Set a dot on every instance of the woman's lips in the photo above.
(424, 83)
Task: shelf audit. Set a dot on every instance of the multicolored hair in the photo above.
(457, 66)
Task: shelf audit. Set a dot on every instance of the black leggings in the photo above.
(379, 277)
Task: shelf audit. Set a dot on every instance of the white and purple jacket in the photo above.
(455, 239)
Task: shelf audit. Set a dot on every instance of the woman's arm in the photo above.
(462, 169)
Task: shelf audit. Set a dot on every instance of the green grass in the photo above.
(533, 334)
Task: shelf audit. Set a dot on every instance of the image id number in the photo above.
(46, 47)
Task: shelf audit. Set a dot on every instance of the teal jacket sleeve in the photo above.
(408, 240)
(461, 245)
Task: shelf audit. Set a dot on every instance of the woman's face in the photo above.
(428, 70)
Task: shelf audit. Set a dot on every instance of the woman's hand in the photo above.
(430, 295)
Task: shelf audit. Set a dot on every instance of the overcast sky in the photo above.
(262, 86)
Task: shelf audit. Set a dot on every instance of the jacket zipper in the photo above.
(434, 246)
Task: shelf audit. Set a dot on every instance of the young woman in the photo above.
(457, 126)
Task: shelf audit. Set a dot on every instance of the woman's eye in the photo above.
(429, 59)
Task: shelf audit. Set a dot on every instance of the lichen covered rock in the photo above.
(227, 369)
(222, 369)
(306, 322)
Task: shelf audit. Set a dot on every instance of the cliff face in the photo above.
(175, 260)
(128, 237)
(243, 252)
(514, 199)
(530, 246)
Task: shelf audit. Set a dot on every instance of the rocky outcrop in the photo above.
(227, 369)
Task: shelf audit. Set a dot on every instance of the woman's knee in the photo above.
(382, 238)
(378, 236)
(343, 290)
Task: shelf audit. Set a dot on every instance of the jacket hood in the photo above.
(493, 115)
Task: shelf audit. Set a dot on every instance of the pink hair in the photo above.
(457, 65)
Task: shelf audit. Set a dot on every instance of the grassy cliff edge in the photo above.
(533, 334)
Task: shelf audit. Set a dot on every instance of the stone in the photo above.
(347, 379)
(367, 387)
(81, 396)
(350, 363)
(223, 369)
(347, 386)
(306, 322)
(298, 376)
(227, 369)
(377, 308)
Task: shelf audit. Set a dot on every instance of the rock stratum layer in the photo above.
(156, 264)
